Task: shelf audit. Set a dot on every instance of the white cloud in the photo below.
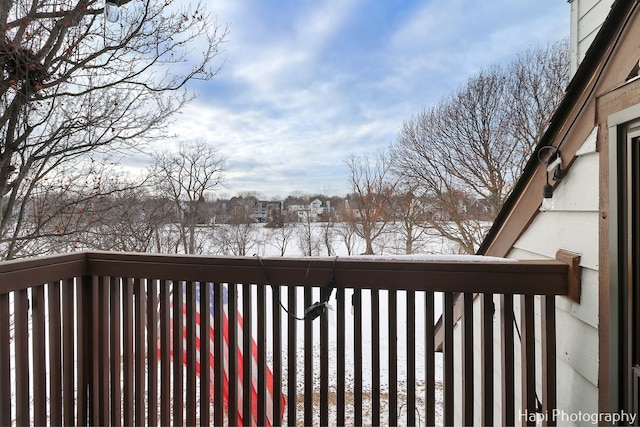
(306, 83)
(273, 57)
(452, 39)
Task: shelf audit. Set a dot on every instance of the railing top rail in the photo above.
(23, 273)
(436, 274)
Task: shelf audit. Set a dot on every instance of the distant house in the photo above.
(479, 209)
(295, 208)
(313, 211)
(263, 210)
(242, 209)
(594, 212)
(315, 208)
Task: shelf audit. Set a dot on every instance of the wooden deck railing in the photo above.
(88, 339)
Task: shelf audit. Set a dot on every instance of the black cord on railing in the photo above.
(315, 310)
(535, 392)
(266, 273)
(415, 408)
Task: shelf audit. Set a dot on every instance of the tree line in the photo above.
(174, 211)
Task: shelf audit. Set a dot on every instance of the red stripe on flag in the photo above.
(239, 351)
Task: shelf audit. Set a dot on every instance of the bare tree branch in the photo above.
(369, 207)
(468, 151)
(73, 85)
(185, 177)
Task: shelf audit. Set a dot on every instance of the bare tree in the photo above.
(236, 239)
(537, 79)
(132, 221)
(409, 213)
(241, 234)
(58, 211)
(186, 177)
(308, 243)
(372, 186)
(72, 84)
(347, 233)
(328, 235)
(472, 146)
(280, 237)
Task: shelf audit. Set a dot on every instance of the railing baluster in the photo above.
(97, 359)
(507, 354)
(308, 362)
(356, 302)
(152, 349)
(375, 357)
(262, 356)
(447, 355)
(128, 361)
(206, 303)
(102, 343)
(190, 324)
(5, 362)
(467, 351)
(393, 358)
(68, 352)
(486, 374)
(84, 346)
(324, 364)
(411, 358)
(21, 337)
(93, 349)
(165, 353)
(277, 357)
(211, 297)
(116, 368)
(178, 351)
(23, 373)
(341, 357)
(548, 329)
(292, 357)
(429, 360)
(39, 357)
(55, 354)
(234, 373)
(96, 410)
(218, 351)
(139, 351)
(528, 354)
(247, 354)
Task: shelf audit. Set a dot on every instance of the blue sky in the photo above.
(306, 83)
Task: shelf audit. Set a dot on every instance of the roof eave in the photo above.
(588, 67)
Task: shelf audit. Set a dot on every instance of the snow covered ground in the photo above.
(383, 343)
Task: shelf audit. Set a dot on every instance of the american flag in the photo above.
(254, 370)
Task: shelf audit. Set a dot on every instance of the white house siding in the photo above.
(457, 342)
(587, 17)
(573, 225)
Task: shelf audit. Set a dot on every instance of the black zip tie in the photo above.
(317, 309)
(332, 282)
